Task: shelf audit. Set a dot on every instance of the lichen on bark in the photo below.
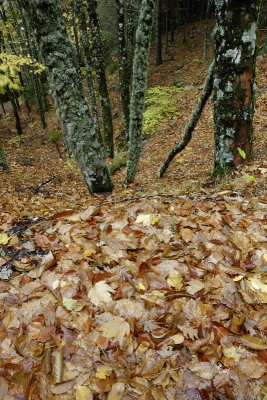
(139, 84)
(57, 54)
(234, 80)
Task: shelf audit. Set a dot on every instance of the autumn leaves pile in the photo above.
(147, 300)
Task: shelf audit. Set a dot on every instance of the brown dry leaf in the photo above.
(117, 391)
(175, 279)
(194, 286)
(116, 329)
(89, 213)
(186, 234)
(100, 294)
(103, 371)
(253, 342)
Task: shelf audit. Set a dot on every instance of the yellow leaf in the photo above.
(83, 393)
(155, 220)
(4, 239)
(88, 252)
(103, 371)
(259, 287)
(175, 279)
(264, 256)
(141, 286)
(238, 278)
(116, 329)
(177, 339)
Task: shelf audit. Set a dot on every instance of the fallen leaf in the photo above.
(4, 239)
(100, 294)
(116, 329)
(175, 279)
(103, 371)
(83, 393)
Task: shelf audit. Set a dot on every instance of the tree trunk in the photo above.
(124, 73)
(101, 79)
(234, 81)
(14, 104)
(85, 43)
(189, 129)
(159, 33)
(58, 55)
(3, 161)
(139, 84)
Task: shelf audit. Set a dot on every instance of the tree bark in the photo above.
(189, 129)
(159, 33)
(124, 73)
(3, 161)
(139, 84)
(98, 60)
(58, 55)
(234, 81)
(85, 45)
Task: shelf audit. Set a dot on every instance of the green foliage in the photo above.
(54, 137)
(241, 153)
(113, 66)
(71, 164)
(15, 141)
(161, 105)
(120, 160)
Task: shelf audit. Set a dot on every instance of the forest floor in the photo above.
(151, 299)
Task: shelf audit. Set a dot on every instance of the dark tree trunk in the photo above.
(13, 101)
(58, 55)
(234, 81)
(3, 161)
(124, 73)
(98, 60)
(139, 84)
(159, 33)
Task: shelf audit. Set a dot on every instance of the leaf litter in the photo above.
(153, 300)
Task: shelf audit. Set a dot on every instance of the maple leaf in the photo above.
(100, 294)
(116, 329)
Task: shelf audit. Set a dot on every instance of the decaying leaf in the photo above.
(4, 239)
(117, 391)
(100, 293)
(116, 329)
(103, 371)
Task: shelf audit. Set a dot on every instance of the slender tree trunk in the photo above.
(123, 64)
(87, 62)
(101, 79)
(189, 129)
(13, 101)
(234, 81)
(139, 84)
(159, 33)
(58, 55)
(3, 161)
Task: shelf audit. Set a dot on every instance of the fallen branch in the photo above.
(189, 129)
(38, 188)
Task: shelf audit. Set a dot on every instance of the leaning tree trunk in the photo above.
(57, 53)
(139, 84)
(124, 73)
(98, 59)
(234, 81)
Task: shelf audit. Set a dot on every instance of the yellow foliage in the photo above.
(10, 67)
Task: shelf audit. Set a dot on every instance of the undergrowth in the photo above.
(161, 105)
